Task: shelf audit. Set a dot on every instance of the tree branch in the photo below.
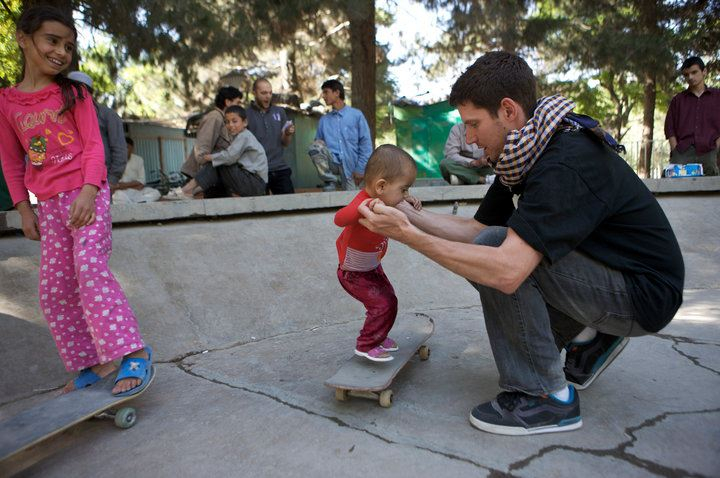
(10, 12)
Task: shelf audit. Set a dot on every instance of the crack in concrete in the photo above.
(341, 423)
(463, 307)
(677, 341)
(685, 340)
(34, 393)
(621, 452)
(192, 353)
(240, 343)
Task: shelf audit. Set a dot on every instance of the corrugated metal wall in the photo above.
(162, 148)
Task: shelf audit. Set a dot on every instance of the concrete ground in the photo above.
(248, 320)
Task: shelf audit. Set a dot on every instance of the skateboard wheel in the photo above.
(341, 395)
(424, 352)
(386, 398)
(125, 417)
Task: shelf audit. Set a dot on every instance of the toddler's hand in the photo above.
(415, 202)
(82, 210)
(373, 202)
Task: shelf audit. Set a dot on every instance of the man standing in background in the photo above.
(692, 125)
(342, 143)
(111, 131)
(272, 129)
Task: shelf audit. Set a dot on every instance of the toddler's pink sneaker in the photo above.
(377, 354)
(389, 345)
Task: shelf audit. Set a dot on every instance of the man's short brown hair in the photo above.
(494, 76)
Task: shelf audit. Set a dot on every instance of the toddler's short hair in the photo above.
(238, 110)
(388, 162)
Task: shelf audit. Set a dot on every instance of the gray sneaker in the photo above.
(585, 362)
(517, 413)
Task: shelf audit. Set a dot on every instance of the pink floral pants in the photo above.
(85, 307)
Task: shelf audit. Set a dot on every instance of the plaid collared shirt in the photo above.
(524, 146)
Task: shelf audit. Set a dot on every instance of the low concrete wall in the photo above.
(188, 209)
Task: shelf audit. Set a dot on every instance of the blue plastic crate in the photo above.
(683, 170)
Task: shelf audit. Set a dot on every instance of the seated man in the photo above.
(131, 187)
(585, 258)
(463, 163)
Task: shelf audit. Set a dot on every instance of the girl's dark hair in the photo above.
(30, 21)
(494, 76)
(388, 162)
(226, 93)
(238, 110)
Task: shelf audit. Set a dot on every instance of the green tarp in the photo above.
(422, 131)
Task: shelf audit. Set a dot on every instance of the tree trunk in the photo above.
(361, 14)
(295, 86)
(649, 19)
(645, 159)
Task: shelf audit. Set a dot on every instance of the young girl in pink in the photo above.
(50, 144)
(389, 173)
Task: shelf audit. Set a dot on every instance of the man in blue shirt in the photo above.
(342, 143)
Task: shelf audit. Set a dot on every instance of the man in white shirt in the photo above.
(131, 187)
(463, 163)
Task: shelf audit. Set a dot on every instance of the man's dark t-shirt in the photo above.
(582, 196)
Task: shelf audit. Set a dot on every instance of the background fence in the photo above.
(660, 155)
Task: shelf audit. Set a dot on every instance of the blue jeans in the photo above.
(528, 328)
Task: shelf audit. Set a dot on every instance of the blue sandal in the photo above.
(135, 367)
(86, 378)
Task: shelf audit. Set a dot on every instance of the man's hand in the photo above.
(289, 131)
(82, 210)
(30, 226)
(415, 202)
(478, 163)
(357, 178)
(205, 158)
(384, 220)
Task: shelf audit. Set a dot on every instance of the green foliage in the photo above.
(606, 97)
(135, 89)
(10, 57)
(158, 58)
(611, 44)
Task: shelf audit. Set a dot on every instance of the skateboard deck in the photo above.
(360, 377)
(56, 415)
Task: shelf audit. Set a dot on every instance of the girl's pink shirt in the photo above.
(46, 153)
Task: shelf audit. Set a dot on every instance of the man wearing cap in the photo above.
(111, 131)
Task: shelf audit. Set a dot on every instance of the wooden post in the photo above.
(162, 159)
